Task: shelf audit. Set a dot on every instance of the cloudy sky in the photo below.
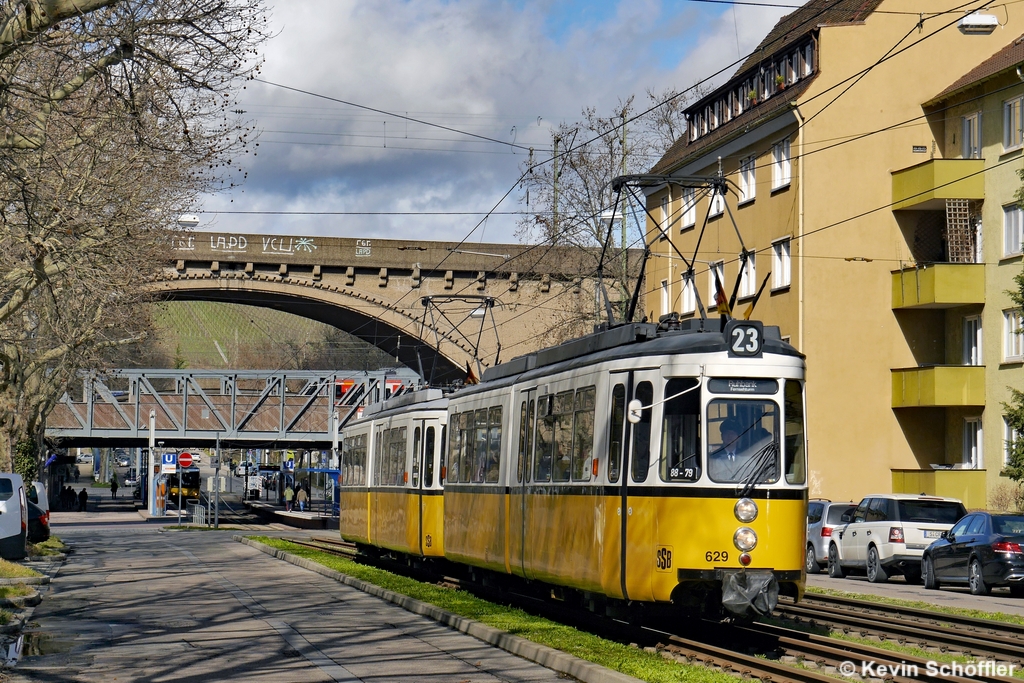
(502, 70)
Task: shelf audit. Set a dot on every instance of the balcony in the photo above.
(938, 386)
(926, 186)
(967, 485)
(942, 285)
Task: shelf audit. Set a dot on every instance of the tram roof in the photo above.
(626, 341)
(422, 399)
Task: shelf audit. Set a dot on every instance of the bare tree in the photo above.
(116, 115)
(571, 196)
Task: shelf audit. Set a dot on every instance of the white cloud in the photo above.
(476, 65)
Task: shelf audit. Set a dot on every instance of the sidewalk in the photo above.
(101, 510)
(294, 518)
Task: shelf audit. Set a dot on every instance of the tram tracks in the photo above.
(777, 652)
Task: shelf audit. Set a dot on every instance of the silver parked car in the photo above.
(822, 516)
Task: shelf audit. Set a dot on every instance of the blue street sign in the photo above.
(168, 463)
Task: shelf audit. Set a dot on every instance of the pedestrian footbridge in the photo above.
(238, 408)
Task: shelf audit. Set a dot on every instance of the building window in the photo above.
(1013, 341)
(808, 60)
(792, 67)
(666, 297)
(1013, 228)
(1012, 123)
(972, 340)
(664, 218)
(717, 203)
(748, 278)
(689, 295)
(973, 458)
(718, 267)
(747, 181)
(689, 208)
(971, 140)
(1009, 439)
(780, 263)
(781, 171)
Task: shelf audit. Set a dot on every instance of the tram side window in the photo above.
(359, 461)
(444, 453)
(468, 428)
(491, 476)
(615, 435)
(524, 428)
(456, 448)
(641, 455)
(583, 434)
(563, 437)
(428, 457)
(680, 432)
(545, 437)
(796, 459)
(378, 446)
(416, 451)
(396, 457)
(480, 446)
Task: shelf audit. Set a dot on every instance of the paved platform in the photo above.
(135, 602)
(293, 518)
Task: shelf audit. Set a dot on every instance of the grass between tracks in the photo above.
(942, 609)
(632, 661)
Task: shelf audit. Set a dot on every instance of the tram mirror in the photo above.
(634, 411)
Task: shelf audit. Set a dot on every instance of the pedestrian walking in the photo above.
(289, 493)
(77, 473)
(301, 497)
(113, 485)
(83, 500)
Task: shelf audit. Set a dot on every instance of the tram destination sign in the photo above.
(736, 385)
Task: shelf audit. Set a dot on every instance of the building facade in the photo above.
(876, 228)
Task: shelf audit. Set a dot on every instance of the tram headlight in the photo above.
(744, 539)
(745, 510)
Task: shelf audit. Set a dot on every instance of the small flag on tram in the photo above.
(750, 308)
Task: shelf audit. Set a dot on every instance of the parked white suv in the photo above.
(887, 534)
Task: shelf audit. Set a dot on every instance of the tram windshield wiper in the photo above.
(760, 468)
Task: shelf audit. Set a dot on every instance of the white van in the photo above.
(13, 517)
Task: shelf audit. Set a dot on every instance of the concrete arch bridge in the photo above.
(375, 290)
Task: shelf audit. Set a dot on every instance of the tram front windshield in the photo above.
(189, 477)
(743, 441)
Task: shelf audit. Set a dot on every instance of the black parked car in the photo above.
(38, 523)
(982, 550)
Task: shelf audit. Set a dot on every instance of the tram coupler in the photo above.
(750, 593)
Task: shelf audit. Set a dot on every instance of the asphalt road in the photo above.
(134, 603)
(998, 601)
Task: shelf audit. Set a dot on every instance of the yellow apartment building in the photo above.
(870, 150)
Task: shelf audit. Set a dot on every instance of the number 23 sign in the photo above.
(744, 338)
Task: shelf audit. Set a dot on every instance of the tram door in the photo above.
(524, 411)
(638, 506)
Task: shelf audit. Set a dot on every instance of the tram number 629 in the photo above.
(663, 558)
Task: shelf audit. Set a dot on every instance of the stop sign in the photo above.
(185, 459)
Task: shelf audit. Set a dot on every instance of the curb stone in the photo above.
(27, 580)
(553, 659)
(22, 601)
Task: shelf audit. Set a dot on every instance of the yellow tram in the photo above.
(638, 465)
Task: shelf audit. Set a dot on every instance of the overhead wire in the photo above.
(613, 128)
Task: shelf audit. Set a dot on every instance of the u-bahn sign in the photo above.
(168, 463)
